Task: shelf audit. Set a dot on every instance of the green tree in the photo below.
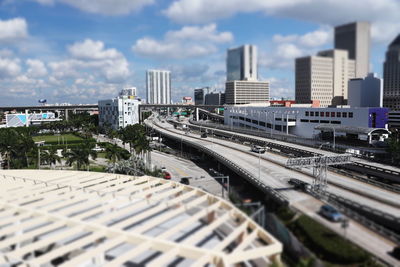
(81, 155)
(115, 153)
(50, 157)
(394, 150)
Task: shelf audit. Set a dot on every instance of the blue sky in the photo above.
(82, 51)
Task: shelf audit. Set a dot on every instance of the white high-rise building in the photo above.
(241, 63)
(119, 112)
(324, 77)
(366, 92)
(158, 86)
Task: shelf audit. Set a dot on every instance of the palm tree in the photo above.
(50, 156)
(114, 153)
(81, 154)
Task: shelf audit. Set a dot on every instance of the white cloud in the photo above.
(13, 29)
(288, 47)
(383, 14)
(280, 88)
(104, 7)
(36, 68)
(92, 50)
(190, 41)
(91, 56)
(9, 67)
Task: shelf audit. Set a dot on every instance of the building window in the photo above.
(322, 113)
(312, 113)
(350, 114)
(327, 114)
(307, 114)
(332, 114)
(338, 114)
(304, 120)
(316, 113)
(344, 114)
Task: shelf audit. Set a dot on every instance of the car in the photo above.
(299, 184)
(203, 135)
(331, 213)
(185, 180)
(258, 149)
(167, 176)
(396, 252)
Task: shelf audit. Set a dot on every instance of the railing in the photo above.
(343, 205)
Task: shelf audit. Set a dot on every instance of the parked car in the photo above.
(331, 213)
(203, 135)
(258, 149)
(167, 175)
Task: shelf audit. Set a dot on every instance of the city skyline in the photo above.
(67, 51)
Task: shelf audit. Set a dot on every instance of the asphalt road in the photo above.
(277, 176)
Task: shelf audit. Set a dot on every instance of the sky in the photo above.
(75, 51)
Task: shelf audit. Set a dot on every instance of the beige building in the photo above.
(355, 38)
(246, 92)
(324, 77)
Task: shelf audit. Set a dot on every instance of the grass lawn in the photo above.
(54, 138)
(101, 155)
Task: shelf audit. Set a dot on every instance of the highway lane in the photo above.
(179, 167)
(277, 176)
(340, 180)
(313, 150)
(272, 175)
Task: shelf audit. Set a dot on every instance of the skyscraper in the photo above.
(199, 95)
(324, 77)
(246, 92)
(158, 86)
(366, 92)
(391, 76)
(355, 38)
(241, 63)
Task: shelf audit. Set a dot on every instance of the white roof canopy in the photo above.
(79, 218)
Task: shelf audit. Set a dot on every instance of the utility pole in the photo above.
(38, 158)
(259, 165)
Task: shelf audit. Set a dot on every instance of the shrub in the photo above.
(327, 244)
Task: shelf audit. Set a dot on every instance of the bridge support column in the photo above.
(66, 114)
(197, 114)
(27, 117)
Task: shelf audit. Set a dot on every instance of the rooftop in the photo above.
(75, 218)
(396, 41)
(349, 129)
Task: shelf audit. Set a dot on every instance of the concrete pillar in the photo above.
(197, 114)
(66, 114)
(287, 124)
(27, 117)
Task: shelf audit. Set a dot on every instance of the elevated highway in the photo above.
(374, 169)
(269, 174)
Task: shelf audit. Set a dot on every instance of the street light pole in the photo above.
(259, 165)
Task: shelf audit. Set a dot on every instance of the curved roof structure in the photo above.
(350, 129)
(72, 218)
